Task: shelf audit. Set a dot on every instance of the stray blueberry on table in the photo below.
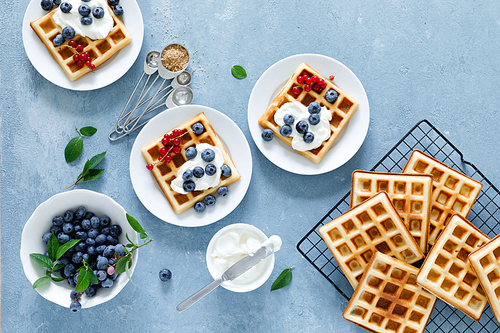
(308, 137)
(98, 12)
(66, 7)
(210, 169)
(314, 119)
(87, 20)
(314, 107)
(288, 119)
(285, 130)
(199, 207)
(187, 175)
(47, 4)
(302, 127)
(75, 306)
(198, 172)
(198, 128)
(84, 10)
(118, 10)
(226, 170)
(188, 186)
(69, 33)
(191, 153)
(208, 155)
(210, 200)
(331, 96)
(223, 191)
(46, 236)
(113, 2)
(57, 220)
(165, 274)
(267, 134)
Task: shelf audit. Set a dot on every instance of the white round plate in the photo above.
(109, 72)
(147, 189)
(350, 139)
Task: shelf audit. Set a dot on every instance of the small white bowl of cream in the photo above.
(231, 244)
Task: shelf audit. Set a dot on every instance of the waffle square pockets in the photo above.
(342, 109)
(454, 192)
(372, 226)
(446, 271)
(165, 172)
(410, 195)
(388, 298)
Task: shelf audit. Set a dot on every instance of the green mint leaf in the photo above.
(73, 149)
(65, 247)
(283, 279)
(91, 175)
(41, 259)
(41, 281)
(57, 279)
(238, 72)
(96, 159)
(92, 277)
(135, 225)
(58, 267)
(52, 247)
(88, 130)
(121, 264)
(83, 281)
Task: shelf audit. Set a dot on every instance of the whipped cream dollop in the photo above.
(206, 181)
(233, 246)
(321, 130)
(98, 29)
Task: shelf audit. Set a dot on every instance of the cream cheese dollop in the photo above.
(98, 29)
(321, 130)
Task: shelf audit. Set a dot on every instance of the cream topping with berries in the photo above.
(98, 29)
(206, 181)
(321, 131)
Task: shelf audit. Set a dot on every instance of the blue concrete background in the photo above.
(437, 60)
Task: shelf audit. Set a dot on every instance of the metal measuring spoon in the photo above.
(182, 80)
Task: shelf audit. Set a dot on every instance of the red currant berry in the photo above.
(79, 48)
(296, 91)
(164, 141)
(316, 87)
(92, 66)
(150, 167)
(176, 149)
(86, 55)
(163, 151)
(300, 79)
(314, 79)
(331, 77)
(168, 158)
(80, 64)
(176, 142)
(307, 87)
(72, 43)
(76, 58)
(323, 85)
(176, 132)
(88, 63)
(308, 80)
(304, 77)
(321, 81)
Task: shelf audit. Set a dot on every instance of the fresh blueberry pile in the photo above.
(48, 5)
(98, 246)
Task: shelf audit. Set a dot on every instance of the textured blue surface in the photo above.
(436, 59)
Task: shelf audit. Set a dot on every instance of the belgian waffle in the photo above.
(410, 195)
(486, 264)
(388, 298)
(446, 272)
(342, 110)
(453, 193)
(100, 50)
(372, 226)
(165, 172)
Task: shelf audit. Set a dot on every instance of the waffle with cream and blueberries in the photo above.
(191, 165)
(309, 113)
(81, 36)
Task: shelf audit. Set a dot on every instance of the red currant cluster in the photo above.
(81, 59)
(331, 78)
(171, 143)
(309, 83)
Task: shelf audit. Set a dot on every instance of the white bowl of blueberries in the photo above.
(98, 225)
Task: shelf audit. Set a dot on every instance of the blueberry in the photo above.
(112, 240)
(69, 270)
(331, 96)
(93, 233)
(101, 275)
(100, 249)
(99, 240)
(87, 20)
(285, 130)
(93, 265)
(189, 186)
(81, 235)
(85, 257)
(199, 207)
(210, 169)
(112, 261)
(89, 215)
(77, 258)
(66, 7)
(108, 283)
(74, 295)
(113, 2)
(105, 221)
(191, 153)
(46, 236)
(86, 225)
(84, 10)
(105, 231)
(225, 170)
(210, 200)
(120, 249)
(187, 175)
(308, 137)
(75, 306)
(208, 155)
(81, 211)
(113, 277)
(58, 221)
(91, 291)
(95, 222)
(267, 135)
(56, 230)
(198, 172)
(77, 228)
(90, 242)
(68, 216)
(115, 230)
(288, 119)
(314, 119)
(75, 277)
(81, 247)
(98, 12)
(302, 127)
(63, 261)
(86, 0)
(69, 33)
(102, 263)
(67, 228)
(198, 128)
(57, 2)
(165, 274)
(63, 238)
(223, 191)
(118, 10)
(47, 4)
(71, 282)
(314, 107)
(109, 251)
(91, 249)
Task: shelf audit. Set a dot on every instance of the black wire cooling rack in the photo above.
(485, 214)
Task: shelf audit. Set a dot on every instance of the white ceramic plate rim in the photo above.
(150, 194)
(106, 74)
(40, 222)
(349, 140)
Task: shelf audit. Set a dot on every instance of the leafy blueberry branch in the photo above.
(74, 147)
(283, 279)
(89, 173)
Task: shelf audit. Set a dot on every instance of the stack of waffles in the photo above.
(396, 219)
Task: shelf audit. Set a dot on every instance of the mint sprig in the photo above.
(283, 279)
(75, 146)
(89, 173)
(238, 72)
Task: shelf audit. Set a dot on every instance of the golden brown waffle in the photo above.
(342, 109)
(388, 298)
(372, 226)
(454, 192)
(410, 195)
(486, 264)
(446, 272)
(100, 50)
(165, 172)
